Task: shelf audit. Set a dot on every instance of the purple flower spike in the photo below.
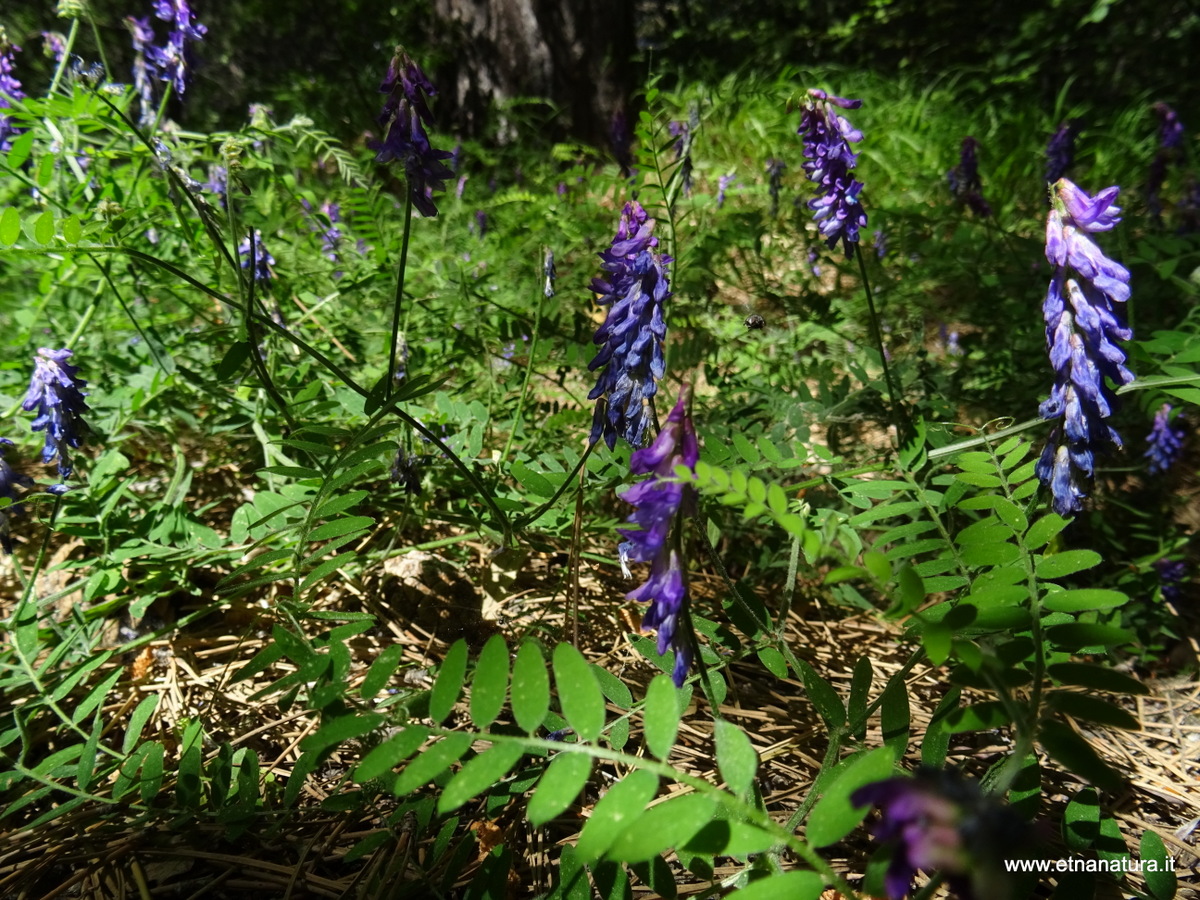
(1060, 152)
(828, 163)
(1165, 440)
(1172, 577)
(404, 118)
(1083, 326)
(722, 186)
(964, 179)
(657, 502)
(1170, 129)
(10, 91)
(633, 331)
(937, 820)
(262, 259)
(174, 61)
(775, 170)
(56, 393)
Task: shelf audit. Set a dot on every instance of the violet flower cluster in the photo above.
(965, 183)
(255, 255)
(1172, 578)
(1060, 152)
(404, 117)
(1170, 152)
(1166, 441)
(937, 820)
(10, 91)
(632, 335)
(55, 393)
(1083, 325)
(829, 164)
(658, 503)
(10, 480)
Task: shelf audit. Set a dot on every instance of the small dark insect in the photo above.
(755, 322)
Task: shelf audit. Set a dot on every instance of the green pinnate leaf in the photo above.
(1083, 599)
(833, 817)
(10, 226)
(578, 692)
(1157, 867)
(1102, 678)
(796, 885)
(381, 671)
(386, 756)
(736, 758)
(449, 682)
(1044, 530)
(479, 774)
(666, 825)
(1076, 755)
(615, 812)
(660, 716)
(1092, 709)
(530, 688)
(431, 763)
(490, 683)
(1068, 562)
(565, 777)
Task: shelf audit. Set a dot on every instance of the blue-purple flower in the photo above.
(174, 60)
(964, 180)
(1170, 129)
(683, 153)
(1165, 440)
(829, 164)
(632, 335)
(256, 257)
(1082, 311)
(10, 91)
(1060, 152)
(55, 392)
(404, 118)
(938, 820)
(1172, 574)
(722, 186)
(658, 503)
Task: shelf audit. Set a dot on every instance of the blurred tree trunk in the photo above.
(574, 53)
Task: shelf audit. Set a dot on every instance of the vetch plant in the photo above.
(829, 163)
(55, 393)
(1083, 315)
(660, 504)
(1165, 440)
(631, 356)
(10, 91)
(404, 118)
(964, 180)
(939, 821)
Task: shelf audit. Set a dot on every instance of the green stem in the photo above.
(61, 68)
(525, 521)
(398, 303)
(533, 342)
(899, 417)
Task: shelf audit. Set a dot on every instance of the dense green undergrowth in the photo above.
(243, 431)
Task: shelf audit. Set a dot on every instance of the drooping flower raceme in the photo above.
(1060, 152)
(10, 90)
(256, 255)
(775, 170)
(937, 820)
(632, 335)
(1170, 152)
(658, 503)
(828, 163)
(55, 392)
(1083, 318)
(404, 117)
(964, 179)
(1165, 440)
(174, 60)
